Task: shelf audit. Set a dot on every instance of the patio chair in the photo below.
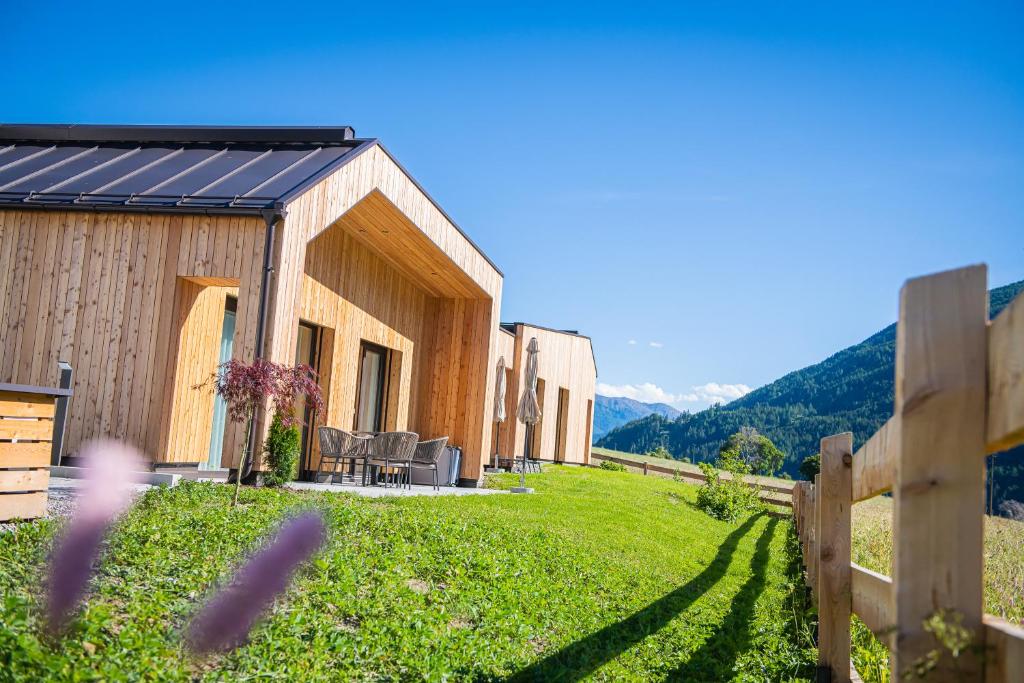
(392, 451)
(337, 445)
(426, 456)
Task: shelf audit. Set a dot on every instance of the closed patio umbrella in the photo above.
(529, 408)
(500, 388)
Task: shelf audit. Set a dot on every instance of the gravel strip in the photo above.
(61, 502)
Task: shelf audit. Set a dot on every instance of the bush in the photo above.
(613, 466)
(282, 449)
(727, 499)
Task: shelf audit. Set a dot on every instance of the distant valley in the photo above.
(610, 413)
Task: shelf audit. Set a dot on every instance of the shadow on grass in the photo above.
(714, 660)
(581, 658)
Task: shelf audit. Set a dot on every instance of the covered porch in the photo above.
(398, 316)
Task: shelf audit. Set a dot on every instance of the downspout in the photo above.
(272, 218)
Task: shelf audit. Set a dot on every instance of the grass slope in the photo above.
(600, 575)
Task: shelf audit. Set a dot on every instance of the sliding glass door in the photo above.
(220, 407)
(307, 352)
(373, 362)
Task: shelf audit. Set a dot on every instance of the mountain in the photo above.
(610, 413)
(849, 391)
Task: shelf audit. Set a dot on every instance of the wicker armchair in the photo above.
(337, 445)
(427, 454)
(391, 450)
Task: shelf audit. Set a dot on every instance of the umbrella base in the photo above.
(521, 489)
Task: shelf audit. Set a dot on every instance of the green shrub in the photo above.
(282, 449)
(727, 499)
(613, 466)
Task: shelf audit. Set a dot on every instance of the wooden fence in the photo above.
(31, 432)
(959, 395)
(777, 492)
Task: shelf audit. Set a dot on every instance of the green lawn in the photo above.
(599, 575)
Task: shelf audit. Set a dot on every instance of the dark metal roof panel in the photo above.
(246, 169)
(62, 171)
(15, 153)
(308, 167)
(28, 167)
(172, 164)
(132, 158)
(257, 172)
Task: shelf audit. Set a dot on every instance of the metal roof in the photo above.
(167, 168)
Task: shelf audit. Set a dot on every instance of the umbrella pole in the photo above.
(522, 468)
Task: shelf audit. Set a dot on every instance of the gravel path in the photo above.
(63, 497)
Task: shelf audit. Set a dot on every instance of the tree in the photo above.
(753, 449)
(810, 466)
(247, 387)
(660, 452)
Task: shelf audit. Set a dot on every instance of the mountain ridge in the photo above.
(851, 390)
(614, 411)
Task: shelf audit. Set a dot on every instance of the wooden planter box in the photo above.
(27, 432)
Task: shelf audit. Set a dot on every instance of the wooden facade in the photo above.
(567, 379)
(136, 302)
(124, 298)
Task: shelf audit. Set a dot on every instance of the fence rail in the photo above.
(650, 468)
(959, 396)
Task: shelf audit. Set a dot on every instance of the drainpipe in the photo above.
(272, 218)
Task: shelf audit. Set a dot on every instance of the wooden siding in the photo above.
(104, 291)
(566, 361)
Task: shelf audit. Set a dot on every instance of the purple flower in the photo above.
(110, 469)
(225, 620)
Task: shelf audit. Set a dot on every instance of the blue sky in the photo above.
(738, 191)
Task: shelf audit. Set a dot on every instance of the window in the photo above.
(371, 388)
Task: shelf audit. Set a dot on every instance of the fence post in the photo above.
(812, 573)
(60, 418)
(941, 356)
(835, 596)
(796, 507)
(645, 469)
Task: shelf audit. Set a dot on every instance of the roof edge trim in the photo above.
(61, 132)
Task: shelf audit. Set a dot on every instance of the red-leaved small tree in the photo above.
(245, 387)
